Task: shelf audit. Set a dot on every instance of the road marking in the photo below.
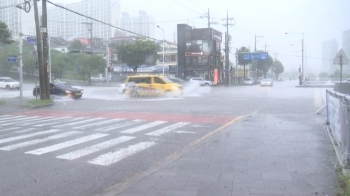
(24, 119)
(185, 132)
(142, 127)
(38, 141)
(52, 123)
(117, 126)
(25, 130)
(80, 122)
(114, 157)
(23, 122)
(98, 123)
(27, 136)
(66, 144)
(11, 117)
(167, 129)
(95, 148)
(47, 120)
(9, 129)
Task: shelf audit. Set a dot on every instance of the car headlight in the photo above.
(68, 91)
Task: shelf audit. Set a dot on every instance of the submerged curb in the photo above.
(41, 106)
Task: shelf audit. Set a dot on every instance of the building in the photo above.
(170, 57)
(142, 24)
(199, 52)
(11, 16)
(346, 42)
(329, 51)
(69, 25)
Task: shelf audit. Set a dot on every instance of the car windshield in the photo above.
(174, 97)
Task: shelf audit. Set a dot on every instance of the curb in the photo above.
(41, 106)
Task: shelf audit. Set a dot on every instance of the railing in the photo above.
(338, 119)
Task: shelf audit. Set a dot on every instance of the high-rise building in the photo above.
(329, 51)
(11, 15)
(69, 25)
(142, 24)
(346, 42)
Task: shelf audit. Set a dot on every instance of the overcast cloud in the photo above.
(320, 20)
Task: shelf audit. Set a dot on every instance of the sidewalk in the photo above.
(261, 155)
(12, 105)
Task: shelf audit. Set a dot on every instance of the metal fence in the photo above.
(338, 118)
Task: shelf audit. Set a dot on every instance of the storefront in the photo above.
(199, 52)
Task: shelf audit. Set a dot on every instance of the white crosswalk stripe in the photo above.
(114, 157)
(18, 118)
(119, 125)
(143, 127)
(38, 141)
(27, 132)
(79, 122)
(11, 117)
(9, 129)
(27, 136)
(95, 148)
(47, 120)
(66, 144)
(167, 129)
(98, 123)
(59, 122)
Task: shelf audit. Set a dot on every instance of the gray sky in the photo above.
(319, 20)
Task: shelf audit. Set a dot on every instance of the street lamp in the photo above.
(163, 46)
(302, 58)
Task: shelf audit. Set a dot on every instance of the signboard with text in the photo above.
(255, 56)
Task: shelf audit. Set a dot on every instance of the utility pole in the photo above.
(255, 41)
(40, 53)
(266, 46)
(227, 50)
(45, 50)
(207, 15)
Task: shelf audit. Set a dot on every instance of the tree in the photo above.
(88, 64)
(5, 34)
(241, 61)
(59, 63)
(277, 68)
(137, 53)
(265, 65)
(76, 46)
(323, 75)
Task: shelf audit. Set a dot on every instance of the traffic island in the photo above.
(37, 103)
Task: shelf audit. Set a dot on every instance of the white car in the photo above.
(248, 81)
(9, 83)
(121, 88)
(267, 82)
(201, 81)
(97, 78)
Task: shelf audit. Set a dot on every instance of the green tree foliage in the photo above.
(76, 46)
(323, 75)
(240, 56)
(277, 68)
(5, 34)
(87, 64)
(137, 53)
(60, 63)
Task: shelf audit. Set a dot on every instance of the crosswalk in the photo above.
(99, 141)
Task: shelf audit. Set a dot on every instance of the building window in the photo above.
(167, 58)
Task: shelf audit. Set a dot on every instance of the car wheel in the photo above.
(123, 92)
(7, 87)
(206, 84)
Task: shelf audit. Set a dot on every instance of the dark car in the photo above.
(61, 89)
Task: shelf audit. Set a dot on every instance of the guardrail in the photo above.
(319, 83)
(338, 119)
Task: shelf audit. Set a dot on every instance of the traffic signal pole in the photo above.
(45, 50)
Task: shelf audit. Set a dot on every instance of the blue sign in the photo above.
(255, 56)
(31, 40)
(11, 59)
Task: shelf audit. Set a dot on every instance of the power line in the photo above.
(101, 21)
(8, 6)
(187, 7)
(304, 56)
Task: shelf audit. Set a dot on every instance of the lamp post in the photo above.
(163, 46)
(302, 58)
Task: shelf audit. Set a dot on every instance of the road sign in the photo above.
(31, 40)
(11, 59)
(341, 58)
(255, 56)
